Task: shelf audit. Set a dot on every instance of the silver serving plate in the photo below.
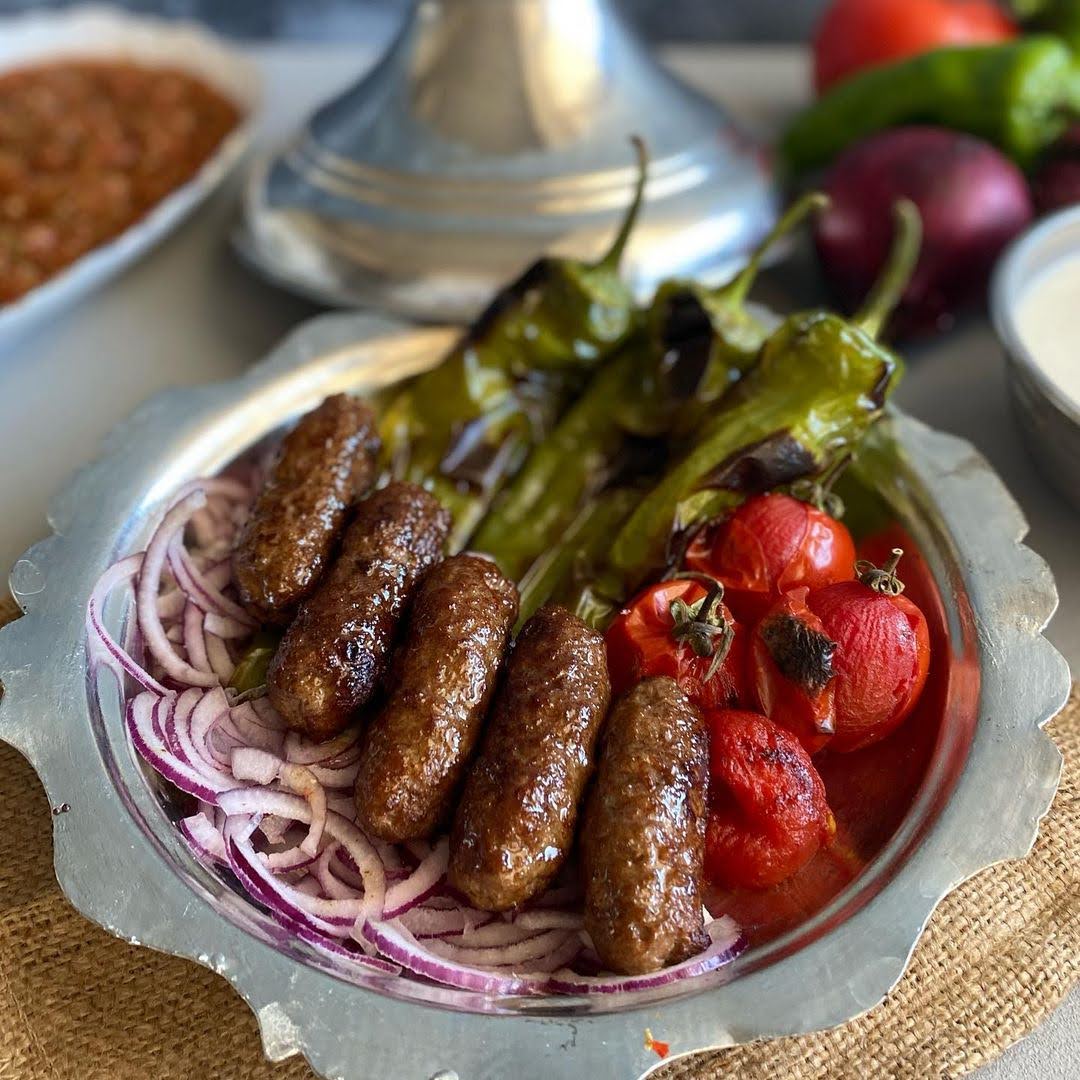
(491, 133)
(122, 863)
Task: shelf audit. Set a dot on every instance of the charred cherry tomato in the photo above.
(767, 810)
(680, 628)
(793, 657)
(857, 34)
(882, 653)
(768, 545)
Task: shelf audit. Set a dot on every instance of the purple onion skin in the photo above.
(1056, 181)
(972, 199)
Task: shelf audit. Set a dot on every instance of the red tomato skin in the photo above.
(640, 646)
(768, 813)
(768, 545)
(857, 34)
(881, 661)
(807, 712)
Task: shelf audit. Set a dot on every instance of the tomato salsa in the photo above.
(87, 147)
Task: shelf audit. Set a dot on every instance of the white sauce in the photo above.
(1048, 322)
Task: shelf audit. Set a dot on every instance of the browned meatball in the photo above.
(334, 655)
(325, 463)
(418, 746)
(515, 823)
(643, 837)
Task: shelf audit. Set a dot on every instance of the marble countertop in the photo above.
(189, 313)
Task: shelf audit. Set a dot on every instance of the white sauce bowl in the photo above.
(1046, 406)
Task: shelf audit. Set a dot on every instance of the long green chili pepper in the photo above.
(708, 338)
(463, 427)
(1017, 95)
(819, 383)
(635, 392)
(568, 466)
(582, 546)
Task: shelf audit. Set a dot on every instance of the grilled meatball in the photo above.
(417, 748)
(643, 837)
(515, 823)
(334, 655)
(325, 463)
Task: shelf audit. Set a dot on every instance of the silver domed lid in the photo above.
(492, 131)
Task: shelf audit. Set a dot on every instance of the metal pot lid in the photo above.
(492, 132)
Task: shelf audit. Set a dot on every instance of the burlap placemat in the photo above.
(1000, 953)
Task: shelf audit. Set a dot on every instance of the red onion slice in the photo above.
(727, 941)
(149, 743)
(515, 954)
(103, 647)
(398, 945)
(406, 894)
(205, 838)
(149, 586)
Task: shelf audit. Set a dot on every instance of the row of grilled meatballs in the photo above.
(462, 731)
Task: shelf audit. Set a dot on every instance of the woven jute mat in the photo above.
(77, 1004)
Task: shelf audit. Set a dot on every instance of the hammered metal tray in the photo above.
(121, 861)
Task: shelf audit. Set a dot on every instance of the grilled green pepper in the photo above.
(646, 389)
(1016, 95)
(582, 545)
(819, 383)
(250, 672)
(707, 338)
(565, 468)
(464, 426)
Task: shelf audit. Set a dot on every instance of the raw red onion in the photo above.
(727, 941)
(277, 809)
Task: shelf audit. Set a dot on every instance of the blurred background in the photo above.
(312, 20)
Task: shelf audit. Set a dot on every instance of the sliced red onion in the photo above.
(171, 604)
(103, 647)
(727, 941)
(516, 954)
(406, 894)
(205, 838)
(149, 743)
(398, 945)
(344, 777)
(225, 626)
(549, 919)
(146, 595)
(267, 713)
(287, 861)
(424, 922)
(217, 655)
(195, 638)
(303, 751)
(280, 897)
(208, 713)
(193, 581)
(249, 763)
(339, 951)
(252, 731)
(299, 779)
(563, 956)
(247, 801)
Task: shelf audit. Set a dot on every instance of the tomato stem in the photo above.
(819, 492)
(882, 579)
(703, 625)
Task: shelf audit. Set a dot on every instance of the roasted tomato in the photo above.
(882, 653)
(770, 544)
(793, 670)
(681, 628)
(857, 34)
(767, 810)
